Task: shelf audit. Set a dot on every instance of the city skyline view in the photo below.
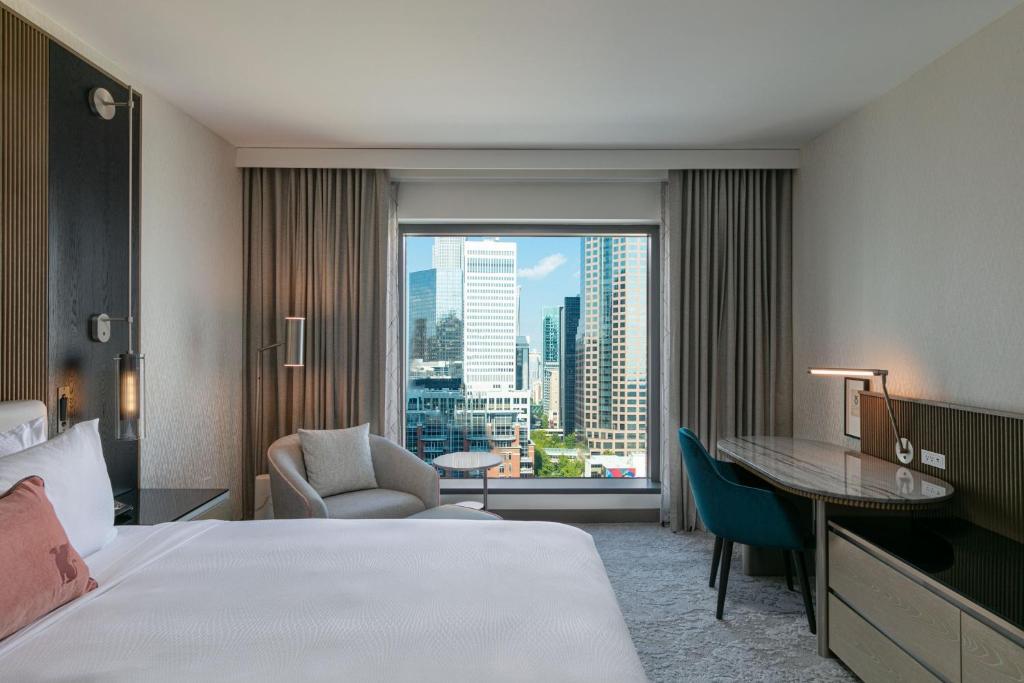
(548, 271)
(531, 348)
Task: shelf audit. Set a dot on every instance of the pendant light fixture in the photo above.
(130, 366)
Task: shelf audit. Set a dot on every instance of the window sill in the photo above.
(497, 487)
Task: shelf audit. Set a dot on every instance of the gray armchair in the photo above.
(407, 485)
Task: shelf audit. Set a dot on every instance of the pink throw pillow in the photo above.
(40, 569)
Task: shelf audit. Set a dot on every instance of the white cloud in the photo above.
(544, 267)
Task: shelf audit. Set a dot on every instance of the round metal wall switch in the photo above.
(905, 456)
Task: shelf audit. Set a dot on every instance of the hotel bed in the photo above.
(368, 600)
(310, 599)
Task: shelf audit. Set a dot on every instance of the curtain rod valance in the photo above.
(486, 160)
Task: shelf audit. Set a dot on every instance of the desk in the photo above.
(829, 474)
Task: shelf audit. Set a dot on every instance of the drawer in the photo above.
(920, 622)
(989, 656)
(870, 655)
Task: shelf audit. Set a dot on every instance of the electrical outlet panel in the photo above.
(934, 459)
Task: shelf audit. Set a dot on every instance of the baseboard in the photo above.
(580, 516)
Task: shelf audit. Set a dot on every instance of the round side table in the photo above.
(469, 461)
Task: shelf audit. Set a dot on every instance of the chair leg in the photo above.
(723, 580)
(714, 560)
(805, 586)
(788, 561)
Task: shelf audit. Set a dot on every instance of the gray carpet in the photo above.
(661, 580)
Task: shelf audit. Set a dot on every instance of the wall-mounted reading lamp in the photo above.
(904, 449)
(130, 366)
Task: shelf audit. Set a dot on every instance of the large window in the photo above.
(533, 345)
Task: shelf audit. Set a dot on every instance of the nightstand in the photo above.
(155, 506)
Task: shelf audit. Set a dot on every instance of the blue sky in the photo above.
(549, 271)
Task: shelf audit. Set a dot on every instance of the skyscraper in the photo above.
(549, 353)
(435, 319)
(568, 325)
(549, 344)
(422, 312)
(446, 253)
(522, 363)
(611, 380)
(489, 292)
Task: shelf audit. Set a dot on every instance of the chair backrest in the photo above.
(286, 453)
(707, 484)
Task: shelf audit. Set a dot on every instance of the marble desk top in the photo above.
(825, 471)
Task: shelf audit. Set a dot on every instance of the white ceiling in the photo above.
(521, 73)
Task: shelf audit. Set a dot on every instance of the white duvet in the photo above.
(310, 600)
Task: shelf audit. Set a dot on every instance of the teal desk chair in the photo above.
(736, 513)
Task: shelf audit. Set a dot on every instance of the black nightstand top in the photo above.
(155, 506)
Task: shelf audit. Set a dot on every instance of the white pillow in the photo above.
(76, 480)
(23, 436)
(338, 460)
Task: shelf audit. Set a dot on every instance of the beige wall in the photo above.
(909, 238)
(191, 299)
(191, 302)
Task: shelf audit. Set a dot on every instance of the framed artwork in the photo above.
(851, 420)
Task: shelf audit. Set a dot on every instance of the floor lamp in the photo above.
(294, 357)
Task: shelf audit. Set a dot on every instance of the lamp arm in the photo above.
(268, 347)
(892, 417)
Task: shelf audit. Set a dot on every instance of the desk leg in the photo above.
(485, 490)
(821, 574)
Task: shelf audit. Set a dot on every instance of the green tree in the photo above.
(569, 467)
(541, 462)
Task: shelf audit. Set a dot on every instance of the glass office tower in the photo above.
(568, 326)
(611, 396)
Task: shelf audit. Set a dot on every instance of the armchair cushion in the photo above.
(373, 504)
(338, 460)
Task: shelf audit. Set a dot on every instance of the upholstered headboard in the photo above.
(14, 413)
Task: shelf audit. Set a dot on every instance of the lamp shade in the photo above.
(847, 372)
(130, 395)
(295, 342)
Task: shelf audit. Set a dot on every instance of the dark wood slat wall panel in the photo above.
(88, 250)
(24, 73)
(984, 456)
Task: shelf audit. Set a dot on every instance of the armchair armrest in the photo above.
(293, 496)
(398, 469)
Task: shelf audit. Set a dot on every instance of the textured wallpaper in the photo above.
(909, 238)
(191, 303)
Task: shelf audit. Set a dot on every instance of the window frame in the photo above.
(581, 229)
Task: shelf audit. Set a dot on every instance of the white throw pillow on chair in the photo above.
(338, 460)
(77, 483)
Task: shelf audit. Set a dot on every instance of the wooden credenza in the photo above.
(890, 622)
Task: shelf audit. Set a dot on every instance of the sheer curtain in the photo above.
(726, 315)
(321, 243)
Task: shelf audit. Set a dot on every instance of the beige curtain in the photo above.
(726, 315)
(320, 243)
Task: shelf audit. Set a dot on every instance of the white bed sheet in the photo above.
(307, 600)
